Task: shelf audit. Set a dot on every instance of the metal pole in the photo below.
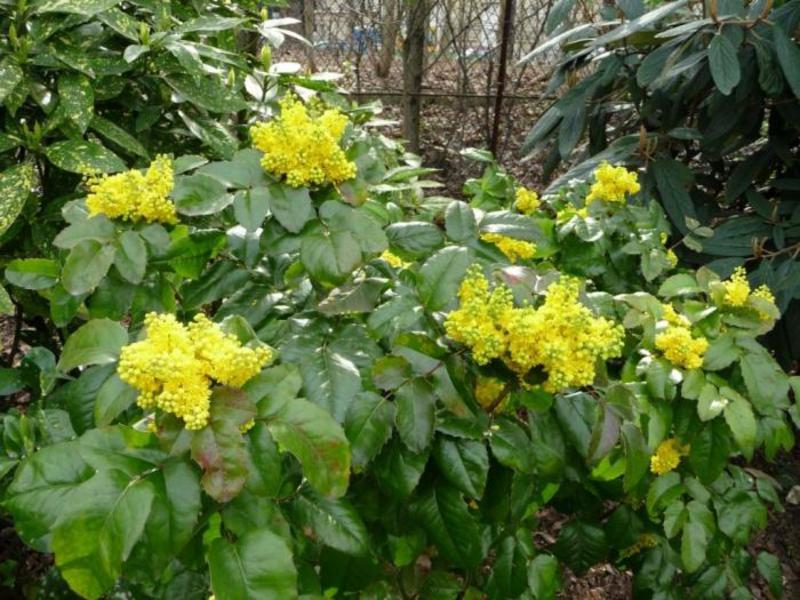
(508, 20)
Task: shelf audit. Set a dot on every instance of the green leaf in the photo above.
(637, 456)
(693, 546)
(99, 228)
(721, 353)
(740, 418)
(330, 258)
(10, 76)
(15, 187)
(672, 180)
(770, 568)
(464, 463)
(199, 194)
(118, 136)
(105, 519)
(251, 207)
(443, 513)
(33, 273)
(415, 417)
(81, 7)
(113, 398)
(724, 64)
(207, 91)
(368, 427)
(663, 491)
(98, 342)
(414, 237)
(710, 402)
(789, 58)
(709, 451)
(767, 384)
(511, 446)
(441, 275)
(330, 380)
(544, 577)
(86, 265)
(76, 98)
(6, 304)
(80, 156)
(317, 441)
(399, 470)
(334, 521)
(258, 565)
(581, 545)
(459, 222)
(219, 448)
(131, 256)
(681, 284)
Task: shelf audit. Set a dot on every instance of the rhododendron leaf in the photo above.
(443, 513)
(257, 565)
(97, 342)
(317, 441)
(333, 521)
(724, 65)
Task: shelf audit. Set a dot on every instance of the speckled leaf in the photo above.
(15, 185)
(79, 156)
(76, 97)
(80, 7)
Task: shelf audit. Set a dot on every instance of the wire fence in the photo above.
(465, 67)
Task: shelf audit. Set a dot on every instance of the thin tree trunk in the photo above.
(308, 30)
(390, 27)
(413, 66)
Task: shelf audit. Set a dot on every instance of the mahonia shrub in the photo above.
(312, 380)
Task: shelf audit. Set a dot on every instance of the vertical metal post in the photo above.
(505, 41)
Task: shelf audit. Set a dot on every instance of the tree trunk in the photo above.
(413, 65)
(308, 30)
(390, 27)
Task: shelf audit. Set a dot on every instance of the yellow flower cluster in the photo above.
(677, 343)
(513, 249)
(304, 147)
(526, 201)
(133, 195)
(394, 260)
(562, 336)
(737, 288)
(173, 367)
(667, 456)
(488, 390)
(612, 184)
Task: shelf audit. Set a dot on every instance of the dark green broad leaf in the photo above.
(251, 207)
(357, 297)
(76, 98)
(81, 7)
(368, 427)
(118, 136)
(441, 275)
(637, 456)
(317, 441)
(464, 463)
(98, 342)
(663, 491)
(103, 522)
(724, 64)
(86, 266)
(257, 565)
(189, 254)
(290, 206)
(33, 273)
(509, 571)
(334, 521)
(789, 58)
(767, 384)
(398, 470)
(131, 256)
(581, 545)
(739, 513)
(208, 92)
(740, 418)
(330, 257)
(366, 229)
(199, 195)
(113, 398)
(330, 380)
(459, 222)
(15, 187)
(415, 237)
(44, 483)
(672, 181)
(511, 445)
(770, 568)
(80, 156)
(544, 577)
(442, 511)
(10, 75)
(416, 414)
(694, 542)
(220, 448)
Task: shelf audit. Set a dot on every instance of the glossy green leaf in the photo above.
(97, 342)
(76, 98)
(464, 463)
(131, 256)
(86, 266)
(788, 55)
(415, 416)
(15, 187)
(441, 277)
(80, 156)
(368, 427)
(333, 521)
(33, 273)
